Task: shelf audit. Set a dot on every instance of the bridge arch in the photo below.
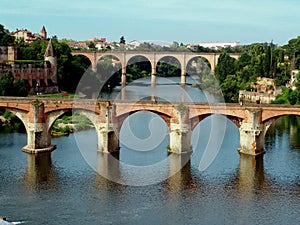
(165, 117)
(110, 55)
(195, 120)
(89, 56)
(142, 63)
(21, 115)
(270, 116)
(175, 62)
(269, 120)
(199, 66)
(217, 133)
(54, 115)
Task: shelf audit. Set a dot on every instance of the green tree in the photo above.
(10, 88)
(20, 88)
(293, 52)
(168, 67)
(5, 38)
(225, 67)
(6, 84)
(229, 88)
(91, 45)
(122, 40)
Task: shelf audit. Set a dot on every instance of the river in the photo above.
(62, 187)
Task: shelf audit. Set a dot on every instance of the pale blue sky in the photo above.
(187, 21)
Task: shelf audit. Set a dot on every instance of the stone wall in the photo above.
(7, 53)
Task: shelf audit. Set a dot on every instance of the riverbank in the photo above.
(62, 127)
(70, 124)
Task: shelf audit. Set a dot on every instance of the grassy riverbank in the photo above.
(63, 126)
(70, 124)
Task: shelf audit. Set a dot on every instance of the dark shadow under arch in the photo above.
(137, 67)
(168, 66)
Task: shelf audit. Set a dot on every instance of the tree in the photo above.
(6, 84)
(10, 88)
(122, 40)
(293, 51)
(20, 88)
(229, 88)
(91, 45)
(5, 38)
(225, 67)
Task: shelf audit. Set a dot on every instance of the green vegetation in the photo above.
(9, 87)
(68, 124)
(5, 38)
(62, 126)
(181, 107)
(9, 122)
(256, 60)
(36, 62)
(58, 95)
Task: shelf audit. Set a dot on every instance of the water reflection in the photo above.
(39, 172)
(251, 175)
(108, 166)
(182, 179)
(166, 89)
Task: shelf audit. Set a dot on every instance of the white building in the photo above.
(219, 45)
(133, 44)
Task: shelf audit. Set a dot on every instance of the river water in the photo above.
(62, 187)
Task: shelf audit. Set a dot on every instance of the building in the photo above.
(133, 44)
(40, 77)
(219, 45)
(28, 36)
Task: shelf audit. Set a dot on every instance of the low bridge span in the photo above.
(38, 116)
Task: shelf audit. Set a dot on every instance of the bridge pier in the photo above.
(153, 79)
(123, 76)
(108, 140)
(38, 136)
(183, 77)
(180, 131)
(252, 133)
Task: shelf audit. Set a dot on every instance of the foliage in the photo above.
(293, 52)
(288, 96)
(122, 40)
(70, 123)
(13, 123)
(5, 38)
(229, 87)
(226, 66)
(181, 107)
(168, 67)
(91, 45)
(10, 88)
(256, 60)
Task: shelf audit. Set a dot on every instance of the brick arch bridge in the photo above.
(153, 57)
(38, 116)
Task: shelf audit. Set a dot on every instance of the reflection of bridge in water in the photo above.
(39, 115)
(183, 58)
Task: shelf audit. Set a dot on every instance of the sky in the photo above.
(184, 21)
